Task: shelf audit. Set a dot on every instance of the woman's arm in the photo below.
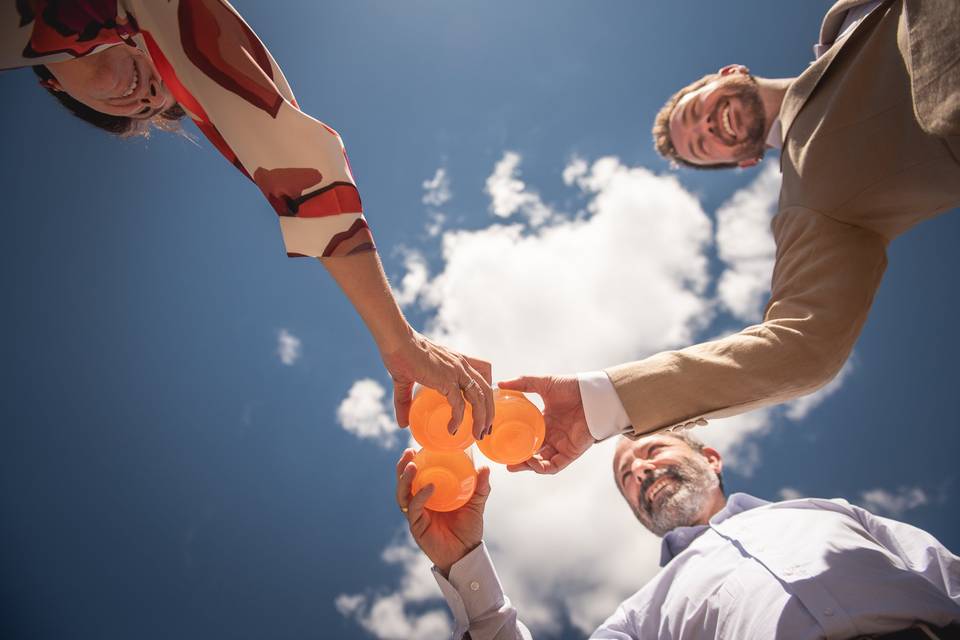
(226, 79)
(408, 356)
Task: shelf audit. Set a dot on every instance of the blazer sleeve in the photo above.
(824, 280)
(223, 76)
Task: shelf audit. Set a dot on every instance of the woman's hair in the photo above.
(118, 125)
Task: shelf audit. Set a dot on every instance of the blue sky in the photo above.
(164, 473)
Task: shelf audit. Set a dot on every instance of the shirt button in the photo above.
(828, 612)
(475, 586)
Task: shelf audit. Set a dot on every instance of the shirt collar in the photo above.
(677, 540)
(775, 136)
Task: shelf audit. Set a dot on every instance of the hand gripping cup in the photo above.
(429, 415)
(518, 429)
(452, 475)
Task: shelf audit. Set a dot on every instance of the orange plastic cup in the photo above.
(518, 429)
(452, 475)
(429, 415)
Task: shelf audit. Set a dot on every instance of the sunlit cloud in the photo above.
(364, 413)
(509, 194)
(789, 493)
(436, 190)
(288, 347)
(801, 407)
(414, 280)
(745, 244)
(894, 503)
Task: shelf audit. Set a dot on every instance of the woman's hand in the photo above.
(445, 537)
(457, 377)
(409, 357)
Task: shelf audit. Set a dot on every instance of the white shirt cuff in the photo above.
(472, 590)
(605, 414)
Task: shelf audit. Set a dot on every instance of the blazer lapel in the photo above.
(803, 86)
(830, 28)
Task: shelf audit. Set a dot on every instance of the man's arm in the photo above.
(476, 599)
(824, 281)
(462, 567)
(823, 285)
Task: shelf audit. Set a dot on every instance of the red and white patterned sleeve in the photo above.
(230, 85)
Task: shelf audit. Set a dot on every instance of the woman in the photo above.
(129, 65)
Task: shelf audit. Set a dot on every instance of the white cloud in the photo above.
(884, 502)
(288, 347)
(745, 244)
(880, 501)
(575, 170)
(624, 279)
(735, 438)
(435, 225)
(789, 493)
(436, 190)
(364, 413)
(509, 194)
(414, 280)
(798, 409)
(388, 615)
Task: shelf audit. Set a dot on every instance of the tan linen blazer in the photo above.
(867, 154)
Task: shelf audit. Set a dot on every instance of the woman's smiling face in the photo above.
(119, 81)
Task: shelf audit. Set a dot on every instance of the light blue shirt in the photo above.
(799, 569)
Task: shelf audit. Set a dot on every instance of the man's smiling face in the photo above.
(667, 483)
(721, 122)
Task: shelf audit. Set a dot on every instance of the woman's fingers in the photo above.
(480, 397)
(481, 372)
(457, 408)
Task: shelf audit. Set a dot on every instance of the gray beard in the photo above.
(691, 494)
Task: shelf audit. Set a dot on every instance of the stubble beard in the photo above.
(746, 89)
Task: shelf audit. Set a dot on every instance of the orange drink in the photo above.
(452, 475)
(429, 415)
(518, 429)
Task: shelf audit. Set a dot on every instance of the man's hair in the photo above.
(661, 129)
(121, 126)
(688, 440)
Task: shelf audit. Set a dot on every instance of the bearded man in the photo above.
(870, 137)
(736, 568)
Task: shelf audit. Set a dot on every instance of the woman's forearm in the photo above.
(362, 279)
